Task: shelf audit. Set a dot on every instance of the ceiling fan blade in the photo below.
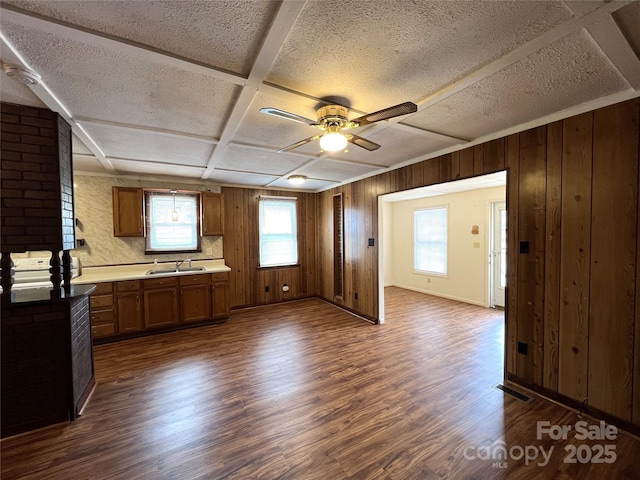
(287, 115)
(395, 111)
(363, 142)
(298, 144)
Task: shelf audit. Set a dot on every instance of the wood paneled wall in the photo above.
(574, 298)
(247, 282)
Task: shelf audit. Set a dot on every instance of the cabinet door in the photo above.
(161, 307)
(212, 213)
(129, 312)
(220, 299)
(196, 302)
(127, 212)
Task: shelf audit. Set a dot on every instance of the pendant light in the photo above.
(174, 214)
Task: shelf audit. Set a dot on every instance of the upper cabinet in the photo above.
(212, 213)
(128, 219)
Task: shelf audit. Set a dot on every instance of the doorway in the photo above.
(469, 275)
(498, 254)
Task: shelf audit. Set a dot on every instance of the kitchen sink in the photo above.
(174, 270)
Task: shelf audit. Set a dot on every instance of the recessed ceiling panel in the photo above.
(84, 163)
(223, 34)
(328, 170)
(378, 54)
(137, 145)
(566, 73)
(252, 160)
(77, 146)
(267, 130)
(236, 178)
(150, 168)
(628, 19)
(101, 84)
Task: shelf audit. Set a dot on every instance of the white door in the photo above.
(498, 253)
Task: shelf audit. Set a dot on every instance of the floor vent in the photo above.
(520, 396)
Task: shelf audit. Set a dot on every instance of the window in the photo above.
(173, 221)
(278, 231)
(430, 240)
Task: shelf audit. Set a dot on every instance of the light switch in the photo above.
(476, 244)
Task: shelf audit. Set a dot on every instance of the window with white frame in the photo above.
(430, 240)
(173, 221)
(278, 231)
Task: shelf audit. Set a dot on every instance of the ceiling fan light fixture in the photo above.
(297, 179)
(333, 141)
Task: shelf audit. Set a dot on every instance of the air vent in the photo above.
(514, 393)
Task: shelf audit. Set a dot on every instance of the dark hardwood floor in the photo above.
(304, 390)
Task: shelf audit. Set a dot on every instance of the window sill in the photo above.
(274, 267)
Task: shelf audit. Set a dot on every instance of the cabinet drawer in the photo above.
(103, 289)
(200, 279)
(103, 330)
(220, 276)
(100, 317)
(101, 301)
(128, 285)
(160, 282)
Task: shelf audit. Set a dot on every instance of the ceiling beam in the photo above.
(117, 44)
(150, 130)
(280, 28)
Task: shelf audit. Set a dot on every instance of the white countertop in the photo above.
(138, 271)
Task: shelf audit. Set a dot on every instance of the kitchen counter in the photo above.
(139, 271)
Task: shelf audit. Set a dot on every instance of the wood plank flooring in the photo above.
(304, 390)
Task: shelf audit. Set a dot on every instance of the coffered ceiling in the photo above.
(174, 88)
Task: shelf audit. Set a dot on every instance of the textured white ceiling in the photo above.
(175, 87)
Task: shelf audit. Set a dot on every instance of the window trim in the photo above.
(431, 273)
(297, 236)
(197, 194)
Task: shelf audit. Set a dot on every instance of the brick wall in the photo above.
(35, 366)
(36, 197)
(46, 363)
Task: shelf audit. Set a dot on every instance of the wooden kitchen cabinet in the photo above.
(103, 319)
(195, 297)
(161, 302)
(128, 218)
(129, 306)
(220, 295)
(212, 213)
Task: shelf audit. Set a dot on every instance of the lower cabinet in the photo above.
(220, 294)
(103, 318)
(129, 305)
(195, 297)
(161, 302)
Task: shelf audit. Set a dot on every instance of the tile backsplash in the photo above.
(94, 212)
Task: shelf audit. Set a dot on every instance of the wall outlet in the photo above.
(428, 280)
(285, 287)
(476, 244)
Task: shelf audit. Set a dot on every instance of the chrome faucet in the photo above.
(180, 262)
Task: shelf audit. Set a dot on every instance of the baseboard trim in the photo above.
(441, 295)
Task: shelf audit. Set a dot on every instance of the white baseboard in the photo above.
(436, 294)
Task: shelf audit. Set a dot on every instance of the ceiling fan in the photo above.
(333, 120)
